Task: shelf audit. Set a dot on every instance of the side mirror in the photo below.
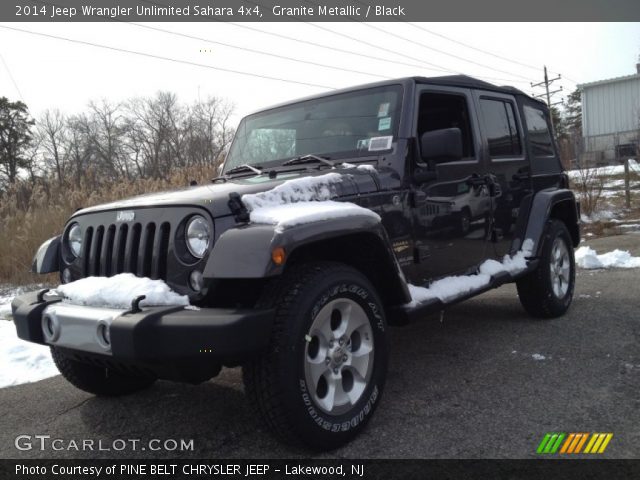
(440, 146)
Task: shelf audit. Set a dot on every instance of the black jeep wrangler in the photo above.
(438, 177)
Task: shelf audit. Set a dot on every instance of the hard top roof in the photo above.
(466, 81)
(462, 81)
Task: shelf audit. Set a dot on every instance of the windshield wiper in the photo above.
(243, 168)
(308, 158)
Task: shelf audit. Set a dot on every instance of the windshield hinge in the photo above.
(238, 208)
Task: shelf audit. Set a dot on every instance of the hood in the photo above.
(215, 196)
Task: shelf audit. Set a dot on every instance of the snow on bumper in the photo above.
(152, 334)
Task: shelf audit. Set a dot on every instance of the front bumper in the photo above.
(155, 335)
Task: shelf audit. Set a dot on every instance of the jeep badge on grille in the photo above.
(125, 216)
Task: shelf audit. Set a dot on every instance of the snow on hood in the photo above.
(588, 258)
(118, 292)
(306, 189)
(301, 200)
(449, 288)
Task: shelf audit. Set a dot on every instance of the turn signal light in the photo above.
(278, 256)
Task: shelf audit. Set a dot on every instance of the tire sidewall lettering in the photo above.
(365, 405)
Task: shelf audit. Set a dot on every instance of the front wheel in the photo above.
(324, 373)
(547, 292)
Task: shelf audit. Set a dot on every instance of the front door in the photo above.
(452, 206)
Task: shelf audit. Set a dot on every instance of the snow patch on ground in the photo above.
(5, 310)
(449, 288)
(118, 292)
(588, 258)
(599, 216)
(300, 201)
(20, 361)
(604, 171)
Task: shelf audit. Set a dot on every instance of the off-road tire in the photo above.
(96, 380)
(275, 383)
(536, 288)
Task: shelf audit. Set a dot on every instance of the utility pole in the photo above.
(546, 83)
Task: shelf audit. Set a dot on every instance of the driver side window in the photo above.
(438, 111)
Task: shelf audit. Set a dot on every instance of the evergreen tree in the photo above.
(15, 137)
(558, 124)
(573, 113)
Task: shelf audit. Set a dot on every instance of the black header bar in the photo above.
(318, 10)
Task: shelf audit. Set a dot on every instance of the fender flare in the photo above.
(245, 252)
(543, 206)
(47, 258)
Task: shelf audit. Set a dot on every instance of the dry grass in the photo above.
(31, 214)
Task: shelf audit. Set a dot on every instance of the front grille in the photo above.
(139, 248)
(430, 209)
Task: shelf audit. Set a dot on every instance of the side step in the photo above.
(409, 312)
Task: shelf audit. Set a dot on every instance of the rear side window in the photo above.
(539, 135)
(501, 128)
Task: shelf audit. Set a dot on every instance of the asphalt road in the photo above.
(469, 387)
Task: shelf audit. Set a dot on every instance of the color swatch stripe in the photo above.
(591, 442)
(543, 443)
(605, 442)
(572, 443)
(558, 442)
(567, 442)
(581, 443)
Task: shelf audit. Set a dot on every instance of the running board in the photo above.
(408, 313)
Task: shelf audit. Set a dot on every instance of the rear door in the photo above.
(508, 173)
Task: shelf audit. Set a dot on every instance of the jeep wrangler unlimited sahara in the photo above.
(457, 172)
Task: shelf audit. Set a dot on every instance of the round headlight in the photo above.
(198, 236)
(75, 239)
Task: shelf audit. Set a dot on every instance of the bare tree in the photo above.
(151, 130)
(107, 129)
(79, 147)
(210, 132)
(589, 184)
(52, 135)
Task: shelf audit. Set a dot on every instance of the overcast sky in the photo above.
(53, 73)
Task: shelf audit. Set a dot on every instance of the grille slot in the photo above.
(140, 249)
(94, 252)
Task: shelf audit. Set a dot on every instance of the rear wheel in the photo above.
(547, 292)
(97, 380)
(324, 373)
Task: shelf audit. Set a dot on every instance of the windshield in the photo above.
(345, 125)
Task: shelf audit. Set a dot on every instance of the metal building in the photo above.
(611, 118)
